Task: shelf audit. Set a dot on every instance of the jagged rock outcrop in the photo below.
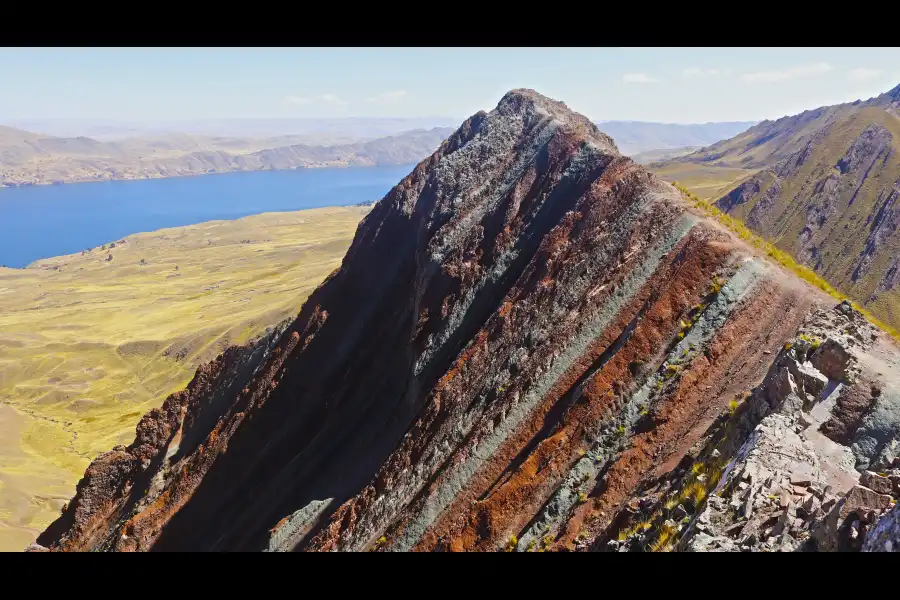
(772, 476)
(527, 332)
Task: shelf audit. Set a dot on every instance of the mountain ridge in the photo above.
(39, 159)
(528, 344)
(823, 186)
(636, 137)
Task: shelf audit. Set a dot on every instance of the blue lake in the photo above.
(43, 221)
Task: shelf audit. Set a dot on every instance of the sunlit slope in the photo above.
(834, 206)
(88, 345)
(823, 186)
(706, 181)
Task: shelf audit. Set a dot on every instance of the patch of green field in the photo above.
(709, 182)
(651, 156)
(87, 345)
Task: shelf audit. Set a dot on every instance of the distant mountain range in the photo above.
(41, 151)
(28, 158)
(651, 156)
(312, 130)
(634, 137)
(823, 185)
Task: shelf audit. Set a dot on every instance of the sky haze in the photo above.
(672, 85)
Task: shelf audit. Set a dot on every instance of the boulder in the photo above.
(708, 543)
(861, 499)
(876, 482)
(809, 507)
(780, 386)
(845, 308)
(811, 382)
(831, 532)
(832, 360)
(786, 543)
(802, 475)
(885, 535)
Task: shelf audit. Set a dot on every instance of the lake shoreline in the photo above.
(89, 348)
(36, 264)
(41, 222)
(28, 184)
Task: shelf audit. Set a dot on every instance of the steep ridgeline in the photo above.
(526, 333)
(827, 192)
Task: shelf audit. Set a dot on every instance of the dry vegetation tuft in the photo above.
(779, 256)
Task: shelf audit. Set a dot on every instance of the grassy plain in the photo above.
(652, 156)
(706, 181)
(88, 345)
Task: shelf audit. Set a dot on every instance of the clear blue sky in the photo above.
(681, 85)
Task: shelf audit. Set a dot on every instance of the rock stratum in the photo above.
(532, 344)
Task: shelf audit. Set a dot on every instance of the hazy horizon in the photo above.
(103, 129)
(356, 128)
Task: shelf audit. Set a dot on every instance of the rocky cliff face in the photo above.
(827, 193)
(530, 342)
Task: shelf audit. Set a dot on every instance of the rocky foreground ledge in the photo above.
(808, 461)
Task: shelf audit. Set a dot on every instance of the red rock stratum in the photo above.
(532, 344)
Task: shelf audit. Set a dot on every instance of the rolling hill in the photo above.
(28, 158)
(822, 185)
(308, 130)
(635, 137)
(652, 156)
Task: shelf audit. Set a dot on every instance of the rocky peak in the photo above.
(889, 99)
(523, 101)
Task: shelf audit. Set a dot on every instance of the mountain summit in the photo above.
(532, 343)
(894, 94)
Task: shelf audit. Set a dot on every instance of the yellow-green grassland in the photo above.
(88, 345)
